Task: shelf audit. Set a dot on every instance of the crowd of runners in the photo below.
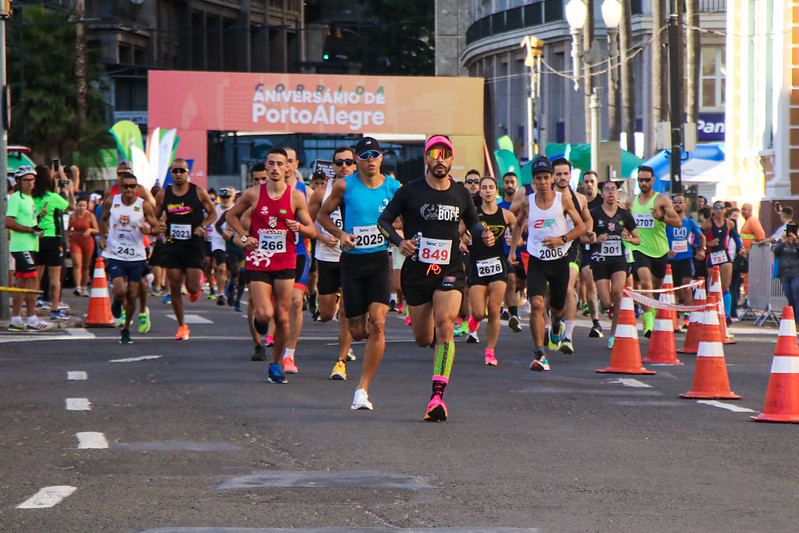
(449, 255)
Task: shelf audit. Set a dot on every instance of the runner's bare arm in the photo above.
(302, 218)
(149, 216)
(235, 214)
(669, 215)
(331, 204)
(210, 211)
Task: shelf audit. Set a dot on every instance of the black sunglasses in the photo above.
(348, 162)
(130, 186)
(645, 180)
(472, 181)
(179, 170)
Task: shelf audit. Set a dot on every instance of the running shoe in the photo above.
(407, 320)
(351, 355)
(76, 292)
(505, 315)
(260, 328)
(17, 326)
(392, 306)
(685, 322)
(144, 321)
(167, 299)
(339, 372)
(456, 330)
(360, 401)
(729, 321)
(465, 328)
(275, 376)
(46, 306)
(554, 338)
(116, 309)
(566, 346)
(220, 300)
(270, 341)
(491, 359)
(229, 290)
(596, 332)
(472, 338)
(63, 306)
(400, 308)
(288, 365)
(515, 324)
(648, 333)
(527, 307)
(183, 333)
(211, 295)
(260, 353)
(237, 306)
(39, 326)
(313, 304)
(610, 342)
(58, 315)
(196, 296)
(125, 337)
(436, 409)
(85, 291)
(539, 364)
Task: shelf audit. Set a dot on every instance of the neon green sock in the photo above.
(649, 320)
(442, 367)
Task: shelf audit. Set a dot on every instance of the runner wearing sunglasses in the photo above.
(365, 265)
(189, 211)
(685, 243)
(652, 212)
(719, 231)
(433, 278)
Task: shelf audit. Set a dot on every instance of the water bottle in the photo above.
(417, 237)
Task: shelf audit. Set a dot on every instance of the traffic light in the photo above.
(6, 9)
(536, 46)
(325, 56)
(326, 29)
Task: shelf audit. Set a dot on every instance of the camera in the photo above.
(63, 183)
(56, 164)
(791, 227)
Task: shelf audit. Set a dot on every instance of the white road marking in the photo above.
(80, 333)
(91, 440)
(630, 382)
(77, 375)
(727, 406)
(47, 497)
(135, 359)
(191, 319)
(78, 404)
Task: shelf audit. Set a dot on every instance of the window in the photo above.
(712, 72)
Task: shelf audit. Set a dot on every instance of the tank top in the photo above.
(718, 254)
(276, 242)
(651, 231)
(362, 207)
(217, 241)
(543, 224)
(125, 241)
(81, 224)
(184, 214)
(496, 223)
(331, 254)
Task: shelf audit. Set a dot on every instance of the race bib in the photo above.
(335, 216)
(550, 254)
(273, 243)
(125, 251)
(644, 220)
(679, 246)
(367, 237)
(628, 255)
(434, 251)
(717, 258)
(610, 248)
(180, 232)
(489, 267)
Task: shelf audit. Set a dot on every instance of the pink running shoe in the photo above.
(491, 360)
(288, 365)
(408, 320)
(436, 410)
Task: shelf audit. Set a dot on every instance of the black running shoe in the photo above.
(116, 308)
(260, 353)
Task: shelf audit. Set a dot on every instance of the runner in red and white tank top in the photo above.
(276, 248)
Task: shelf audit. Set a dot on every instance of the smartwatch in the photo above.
(564, 239)
(244, 239)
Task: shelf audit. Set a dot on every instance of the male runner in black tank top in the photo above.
(184, 237)
(589, 291)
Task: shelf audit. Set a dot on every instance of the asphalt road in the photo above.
(197, 440)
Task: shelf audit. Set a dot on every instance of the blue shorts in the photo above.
(301, 273)
(132, 271)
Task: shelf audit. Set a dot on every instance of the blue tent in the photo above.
(660, 162)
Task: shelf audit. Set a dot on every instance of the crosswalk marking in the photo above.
(727, 406)
(47, 497)
(91, 440)
(77, 375)
(78, 404)
(191, 319)
(135, 359)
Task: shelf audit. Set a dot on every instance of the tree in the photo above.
(44, 91)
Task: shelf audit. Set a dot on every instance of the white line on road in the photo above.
(91, 440)
(78, 404)
(80, 333)
(47, 497)
(77, 375)
(135, 359)
(630, 382)
(727, 406)
(191, 319)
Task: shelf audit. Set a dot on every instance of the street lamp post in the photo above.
(532, 60)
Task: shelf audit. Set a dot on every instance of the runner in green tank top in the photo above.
(652, 211)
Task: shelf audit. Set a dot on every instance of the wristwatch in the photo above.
(244, 239)
(564, 239)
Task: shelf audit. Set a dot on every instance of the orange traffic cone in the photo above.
(662, 348)
(782, 396)
(695, 322)
(626, 355)
(99, 303)
(710, 373)
(715, 295)
(670, 298)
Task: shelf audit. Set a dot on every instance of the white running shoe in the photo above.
(360, 402)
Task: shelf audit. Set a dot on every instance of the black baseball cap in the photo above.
(541, 164)
(367, 144)
(319, 174)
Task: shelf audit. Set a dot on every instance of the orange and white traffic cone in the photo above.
(99, 303)
(710, 373)
(670, 298)
(626, 355)
(715, 295)
(782, 395)
(695, 323)
(662, 348)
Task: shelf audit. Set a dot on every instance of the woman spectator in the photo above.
(80, 236)
(787, 251)
(50, 207)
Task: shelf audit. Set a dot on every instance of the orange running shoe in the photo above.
(195, 297)
(183, 333)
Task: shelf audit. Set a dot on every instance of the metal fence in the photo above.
(766, 298)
